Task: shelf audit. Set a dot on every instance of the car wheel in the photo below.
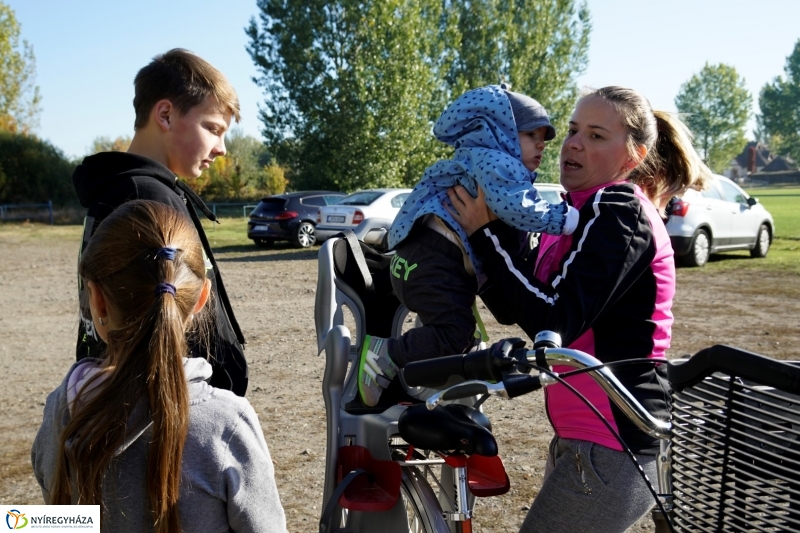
(264, 243)
(762, 242)
(304, 235)
(699, 250)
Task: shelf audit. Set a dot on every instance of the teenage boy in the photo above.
(183, 108)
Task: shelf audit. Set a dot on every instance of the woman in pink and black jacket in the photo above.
(607, 289)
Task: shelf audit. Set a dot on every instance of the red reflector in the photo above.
(319, 217)
(679, 208)
(358, 217)
(286, 215)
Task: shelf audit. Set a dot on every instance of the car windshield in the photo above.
(361, 198)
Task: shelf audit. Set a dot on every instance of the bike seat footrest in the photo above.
(486, 476)
(375, 490)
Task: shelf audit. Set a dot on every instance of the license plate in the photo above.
(261, 228)
(334, 218)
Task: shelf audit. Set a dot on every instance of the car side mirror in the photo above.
(752, 201)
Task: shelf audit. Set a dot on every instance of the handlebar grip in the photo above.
(483, 365)
(433, 372)
(521, 384)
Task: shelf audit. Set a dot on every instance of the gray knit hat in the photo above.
(529, 114)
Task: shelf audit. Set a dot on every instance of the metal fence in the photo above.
(10, 212)
(229, 208)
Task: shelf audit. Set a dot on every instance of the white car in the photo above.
(551, 192)
(719, 219)
(352, 210)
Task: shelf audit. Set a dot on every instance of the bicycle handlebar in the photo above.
(483, 365)
(502, 363)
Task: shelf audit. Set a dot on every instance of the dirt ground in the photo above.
(272, 293)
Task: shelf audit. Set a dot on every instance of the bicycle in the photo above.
(727, 459)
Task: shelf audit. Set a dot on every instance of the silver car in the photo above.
(719, 219)
(352, 210)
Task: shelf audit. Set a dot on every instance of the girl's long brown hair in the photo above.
(144, 355)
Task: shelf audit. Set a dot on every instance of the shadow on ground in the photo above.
(253, 254)
(725, 257)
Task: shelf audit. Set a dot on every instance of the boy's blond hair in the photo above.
(184, 79)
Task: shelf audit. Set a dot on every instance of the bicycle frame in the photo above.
(378, 432)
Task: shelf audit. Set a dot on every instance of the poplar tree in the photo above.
(19, 95)
(780, 108)
(352, 88)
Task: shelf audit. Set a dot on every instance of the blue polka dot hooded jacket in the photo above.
(480, 126)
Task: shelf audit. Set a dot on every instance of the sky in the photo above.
(88, 52)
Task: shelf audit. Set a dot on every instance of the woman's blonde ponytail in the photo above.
(672, 164)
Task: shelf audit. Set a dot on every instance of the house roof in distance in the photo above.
(754, 149)
(780, 164)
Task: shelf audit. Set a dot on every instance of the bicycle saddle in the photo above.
(448, 427)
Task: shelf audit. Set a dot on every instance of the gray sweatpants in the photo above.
(588, 487)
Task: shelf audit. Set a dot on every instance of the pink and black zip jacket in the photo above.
(607, 289)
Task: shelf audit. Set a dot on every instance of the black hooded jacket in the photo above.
(107, 180)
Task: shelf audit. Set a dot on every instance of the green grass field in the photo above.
(784, 255)
(231, 234)
(784, 204)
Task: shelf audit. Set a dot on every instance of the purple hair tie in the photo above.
(166, 253)
(161, 288)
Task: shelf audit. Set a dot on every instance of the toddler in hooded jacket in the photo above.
(499, 137)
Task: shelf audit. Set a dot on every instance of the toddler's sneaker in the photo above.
(375, 370)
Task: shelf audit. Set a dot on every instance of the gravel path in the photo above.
(272, 292)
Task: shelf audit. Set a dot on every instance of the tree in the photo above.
(274, 179)
(760, 133)
(717, 106)
(19, 96)
(107, 144)
(353, 87)
(32, 170)
(780, 108)
(246, 171)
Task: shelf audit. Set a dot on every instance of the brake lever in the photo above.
(466, 390)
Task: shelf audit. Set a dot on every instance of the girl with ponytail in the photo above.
(139, 431)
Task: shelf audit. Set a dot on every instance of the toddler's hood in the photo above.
(480, 118)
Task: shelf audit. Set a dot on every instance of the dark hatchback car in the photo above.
(288, 217)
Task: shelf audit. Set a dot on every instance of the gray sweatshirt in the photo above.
(228, 481)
